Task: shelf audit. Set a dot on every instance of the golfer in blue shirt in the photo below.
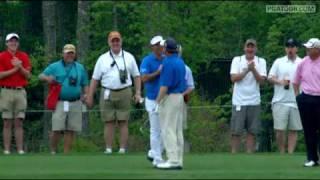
(150, 69)
(170, 102)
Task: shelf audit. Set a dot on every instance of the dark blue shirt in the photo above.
(173, 74)
(149, 65)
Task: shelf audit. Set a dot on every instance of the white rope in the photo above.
(143, 109)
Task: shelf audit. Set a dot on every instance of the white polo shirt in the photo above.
(247, 91)
(281, 68)
(189, 78)
(109, 75)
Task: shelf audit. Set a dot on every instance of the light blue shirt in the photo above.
(63, 72)
(189, 78)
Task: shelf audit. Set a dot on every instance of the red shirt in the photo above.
(17, 79)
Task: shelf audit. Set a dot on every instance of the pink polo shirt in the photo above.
(308, 76)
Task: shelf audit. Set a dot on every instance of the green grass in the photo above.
(135, 166)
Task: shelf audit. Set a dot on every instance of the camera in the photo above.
(123, 76)
(72, 81)
(113, 63)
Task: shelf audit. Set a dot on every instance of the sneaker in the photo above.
(169, 166)
(155, 162)
(122, 151)
(150, 158)
(21, 152)
(310, 164)
(108, 151)
(6, 152)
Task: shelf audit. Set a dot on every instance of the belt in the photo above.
(70, 100)
(14, 88)
(116, 89)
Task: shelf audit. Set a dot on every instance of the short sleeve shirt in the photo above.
(149, 65)
(189, 78)
(63, 72)
(173, 74)
(247, 91)
(308, 76)
(17, 79)
(283, 68)
(107, 72)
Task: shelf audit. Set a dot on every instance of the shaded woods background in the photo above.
(211, 33)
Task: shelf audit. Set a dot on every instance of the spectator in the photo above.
(284, 107)
(67, 117)
(15, 69)
(114, 69)
(247, 73)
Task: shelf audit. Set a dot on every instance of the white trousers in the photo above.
(156, 146)
(171, 123)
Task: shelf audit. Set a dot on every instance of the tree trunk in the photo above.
(83, 46)
(149, 22)
(49, 30)
(115, 16)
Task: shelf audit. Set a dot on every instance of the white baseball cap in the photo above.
(162, 42)
(12, 35)
(312, 43)
(155, 40)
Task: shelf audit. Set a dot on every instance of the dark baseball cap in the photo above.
(171, 45)
(291, 43)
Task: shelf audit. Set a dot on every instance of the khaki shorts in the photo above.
(286, 117)
(117, 107)
(71, 120)
(247, 118)
(13, 103)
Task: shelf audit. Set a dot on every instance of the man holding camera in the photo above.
(67, 117)
(284, 107)
(114, 69)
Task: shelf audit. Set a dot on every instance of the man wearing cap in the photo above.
(170, 100)
(284, 107)
(114, 70)
(15, 68)
(150, 69)
(307, 78)
(67, 117)
(247, 73)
